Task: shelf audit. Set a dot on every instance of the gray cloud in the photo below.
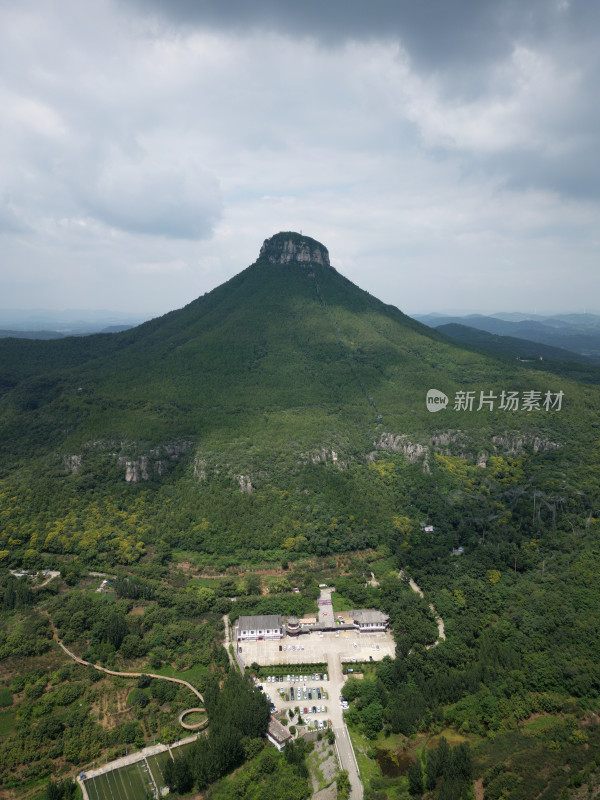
(149, 148)
(435, 33)
(176, 202)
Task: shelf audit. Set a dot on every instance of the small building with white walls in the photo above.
(369, 620)
(263, 626)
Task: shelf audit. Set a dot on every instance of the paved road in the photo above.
(325, 608)
(342, 736)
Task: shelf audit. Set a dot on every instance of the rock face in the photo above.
(73, 463)
(153, 464)
(287, 248)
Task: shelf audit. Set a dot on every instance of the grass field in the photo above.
(131, 782)
(157, 764)
(179, 751)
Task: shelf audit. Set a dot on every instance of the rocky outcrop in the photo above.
(245, 483)
(73, 463)
(153, 464)
(200, 469)
(516, 445)
(287, 248)
(326, 455)
(413, 451)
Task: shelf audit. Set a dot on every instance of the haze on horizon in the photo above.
(445, 154)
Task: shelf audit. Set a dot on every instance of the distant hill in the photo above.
(9, 334)
(46, 323)
(535, 355)
(579, 333)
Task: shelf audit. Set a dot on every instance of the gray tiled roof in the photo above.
(260, 623)
(369, 615)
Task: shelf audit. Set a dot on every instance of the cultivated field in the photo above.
(131, 782)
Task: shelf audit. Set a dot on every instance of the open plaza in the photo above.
(315, 647)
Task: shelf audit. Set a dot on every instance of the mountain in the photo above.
(285, 366)
(288, 350)
(578, 333)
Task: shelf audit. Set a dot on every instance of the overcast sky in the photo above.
(445, 151)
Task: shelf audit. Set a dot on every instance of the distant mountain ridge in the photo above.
(46, 323)
(579, 333)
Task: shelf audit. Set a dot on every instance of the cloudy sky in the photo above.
(445, 151)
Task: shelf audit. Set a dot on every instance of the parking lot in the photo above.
(315, 648)
(334, 648)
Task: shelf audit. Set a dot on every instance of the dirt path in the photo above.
(438, 619)
(227, 641)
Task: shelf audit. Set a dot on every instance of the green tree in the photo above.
(415, 778)
(116, 628)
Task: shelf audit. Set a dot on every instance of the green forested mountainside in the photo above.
(285, 382)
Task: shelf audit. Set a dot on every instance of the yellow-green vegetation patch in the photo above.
(451, 735)
(540, 725)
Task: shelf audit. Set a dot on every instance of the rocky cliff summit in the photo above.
(289, 247)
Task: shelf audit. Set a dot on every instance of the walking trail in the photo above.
(190, 727)
(438, 619)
